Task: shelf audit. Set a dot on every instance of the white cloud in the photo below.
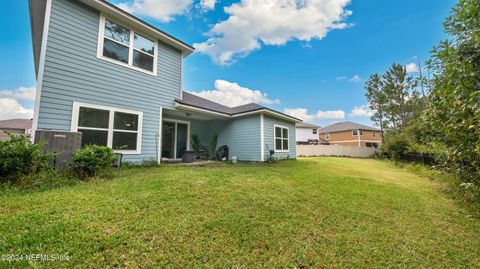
(207, 4)
(355, 78)
(11, 109)
(302, 113)
(252, 23)
(334, 114)
(412, 68)
(162, 10)
(361, 111)
(231, 94)
(22, 93)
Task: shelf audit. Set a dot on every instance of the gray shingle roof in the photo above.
(199, 102)
(306, 125)
(191, 99)
(20, 124)
(346, 126)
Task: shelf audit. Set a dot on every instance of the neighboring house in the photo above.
(118, 80)
(15, 127)
(306, 132)
(351, 134)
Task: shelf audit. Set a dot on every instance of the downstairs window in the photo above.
(281, 138)
(106, 126)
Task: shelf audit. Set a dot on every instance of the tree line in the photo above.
(438, 115)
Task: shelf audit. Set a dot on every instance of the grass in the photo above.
(315, 212)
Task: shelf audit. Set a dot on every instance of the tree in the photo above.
(377, 100)
(399, 88)
(452, 116)
(393, 98)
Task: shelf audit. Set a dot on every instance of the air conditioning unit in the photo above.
(61, 144)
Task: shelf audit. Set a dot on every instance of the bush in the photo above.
(19, 157)
(92, 160)
(396, 144)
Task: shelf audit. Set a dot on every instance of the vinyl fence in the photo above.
(334, 150)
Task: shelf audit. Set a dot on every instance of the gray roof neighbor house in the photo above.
(16, 124)
(306, 125)
(16, 127)
(346, 126)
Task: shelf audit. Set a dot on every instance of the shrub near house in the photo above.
(19, 158)
(91, 160)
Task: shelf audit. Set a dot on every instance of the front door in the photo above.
(174, 139)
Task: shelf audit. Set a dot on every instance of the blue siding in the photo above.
(242, 136)
(268, 127)
(73, 72)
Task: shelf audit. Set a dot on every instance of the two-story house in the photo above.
(351, 134)
(306, 133)
(118, 80)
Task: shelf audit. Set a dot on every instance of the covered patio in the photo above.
(178, 128)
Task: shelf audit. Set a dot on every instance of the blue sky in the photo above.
(297, 64)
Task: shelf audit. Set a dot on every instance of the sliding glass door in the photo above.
(168, 140)
(182, 132)
(174, 139)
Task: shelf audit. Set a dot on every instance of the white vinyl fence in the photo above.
(334, 150)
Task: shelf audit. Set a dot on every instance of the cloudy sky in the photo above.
(307, 58)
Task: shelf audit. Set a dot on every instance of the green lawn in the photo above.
(315, 212)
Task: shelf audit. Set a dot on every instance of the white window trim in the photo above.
(101, 36)
(359, 132)
(175, 157)
(314, 131)
(112, 110)
(275, 141)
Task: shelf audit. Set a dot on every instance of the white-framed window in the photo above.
(327, 136)
(121, 45)
(281, 137)
(314, 131)
(357, 132)
(119, 129)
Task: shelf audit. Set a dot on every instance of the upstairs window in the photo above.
(314, 131)
(327, 136)
(374, 134)
(357, 132)
(123, 46)
(281, 138)
(106, 126)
